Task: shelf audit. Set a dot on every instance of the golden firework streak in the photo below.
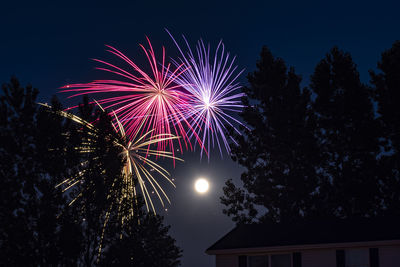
(135, 153)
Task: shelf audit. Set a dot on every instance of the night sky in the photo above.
(50, 45)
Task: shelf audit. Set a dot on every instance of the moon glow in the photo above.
(201, 185)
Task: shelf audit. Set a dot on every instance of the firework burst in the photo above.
(136, 154)
(211, 82)
(136, 172)
(142, 101)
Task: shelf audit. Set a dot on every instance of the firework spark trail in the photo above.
(211, 83)
(148, 101)
(138, 164)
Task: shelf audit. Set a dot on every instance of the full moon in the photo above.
(201, 185)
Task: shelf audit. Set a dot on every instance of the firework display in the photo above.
(211, 82)
(138, 164)
(192, 99)
(140, 100)
(137, 171)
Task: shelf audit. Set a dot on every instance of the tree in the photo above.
(386, 90)
(312, 154)
(39, 224)
(99, 168)
(279, 150)
(29, 201)
(143, 242)
(348, 137)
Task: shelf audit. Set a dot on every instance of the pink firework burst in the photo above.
(141, 100)
(211, 82)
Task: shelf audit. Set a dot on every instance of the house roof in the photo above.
(309, 233)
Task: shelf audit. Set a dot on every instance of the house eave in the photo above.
(269, 249)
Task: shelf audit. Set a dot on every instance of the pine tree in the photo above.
(386, 90)
(29, 201)
(348, 137)
(38, 224)
(144, 242)
(278, 149)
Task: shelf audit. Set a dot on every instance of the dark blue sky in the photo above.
(50, 45)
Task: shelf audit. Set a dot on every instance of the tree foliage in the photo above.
(386, 91)
(348, 137)
(278, 150)
(38, 223)
(143, 243)
(317, 151)
(29, 202)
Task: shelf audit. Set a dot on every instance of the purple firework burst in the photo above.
(212, 82)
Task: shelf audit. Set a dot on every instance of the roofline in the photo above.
(303, 247)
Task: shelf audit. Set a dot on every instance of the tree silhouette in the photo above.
(279, 151)
(317, 153)
(29, 202)
(348, 137)
(386, 90)
(144, 241)
(39, 224)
